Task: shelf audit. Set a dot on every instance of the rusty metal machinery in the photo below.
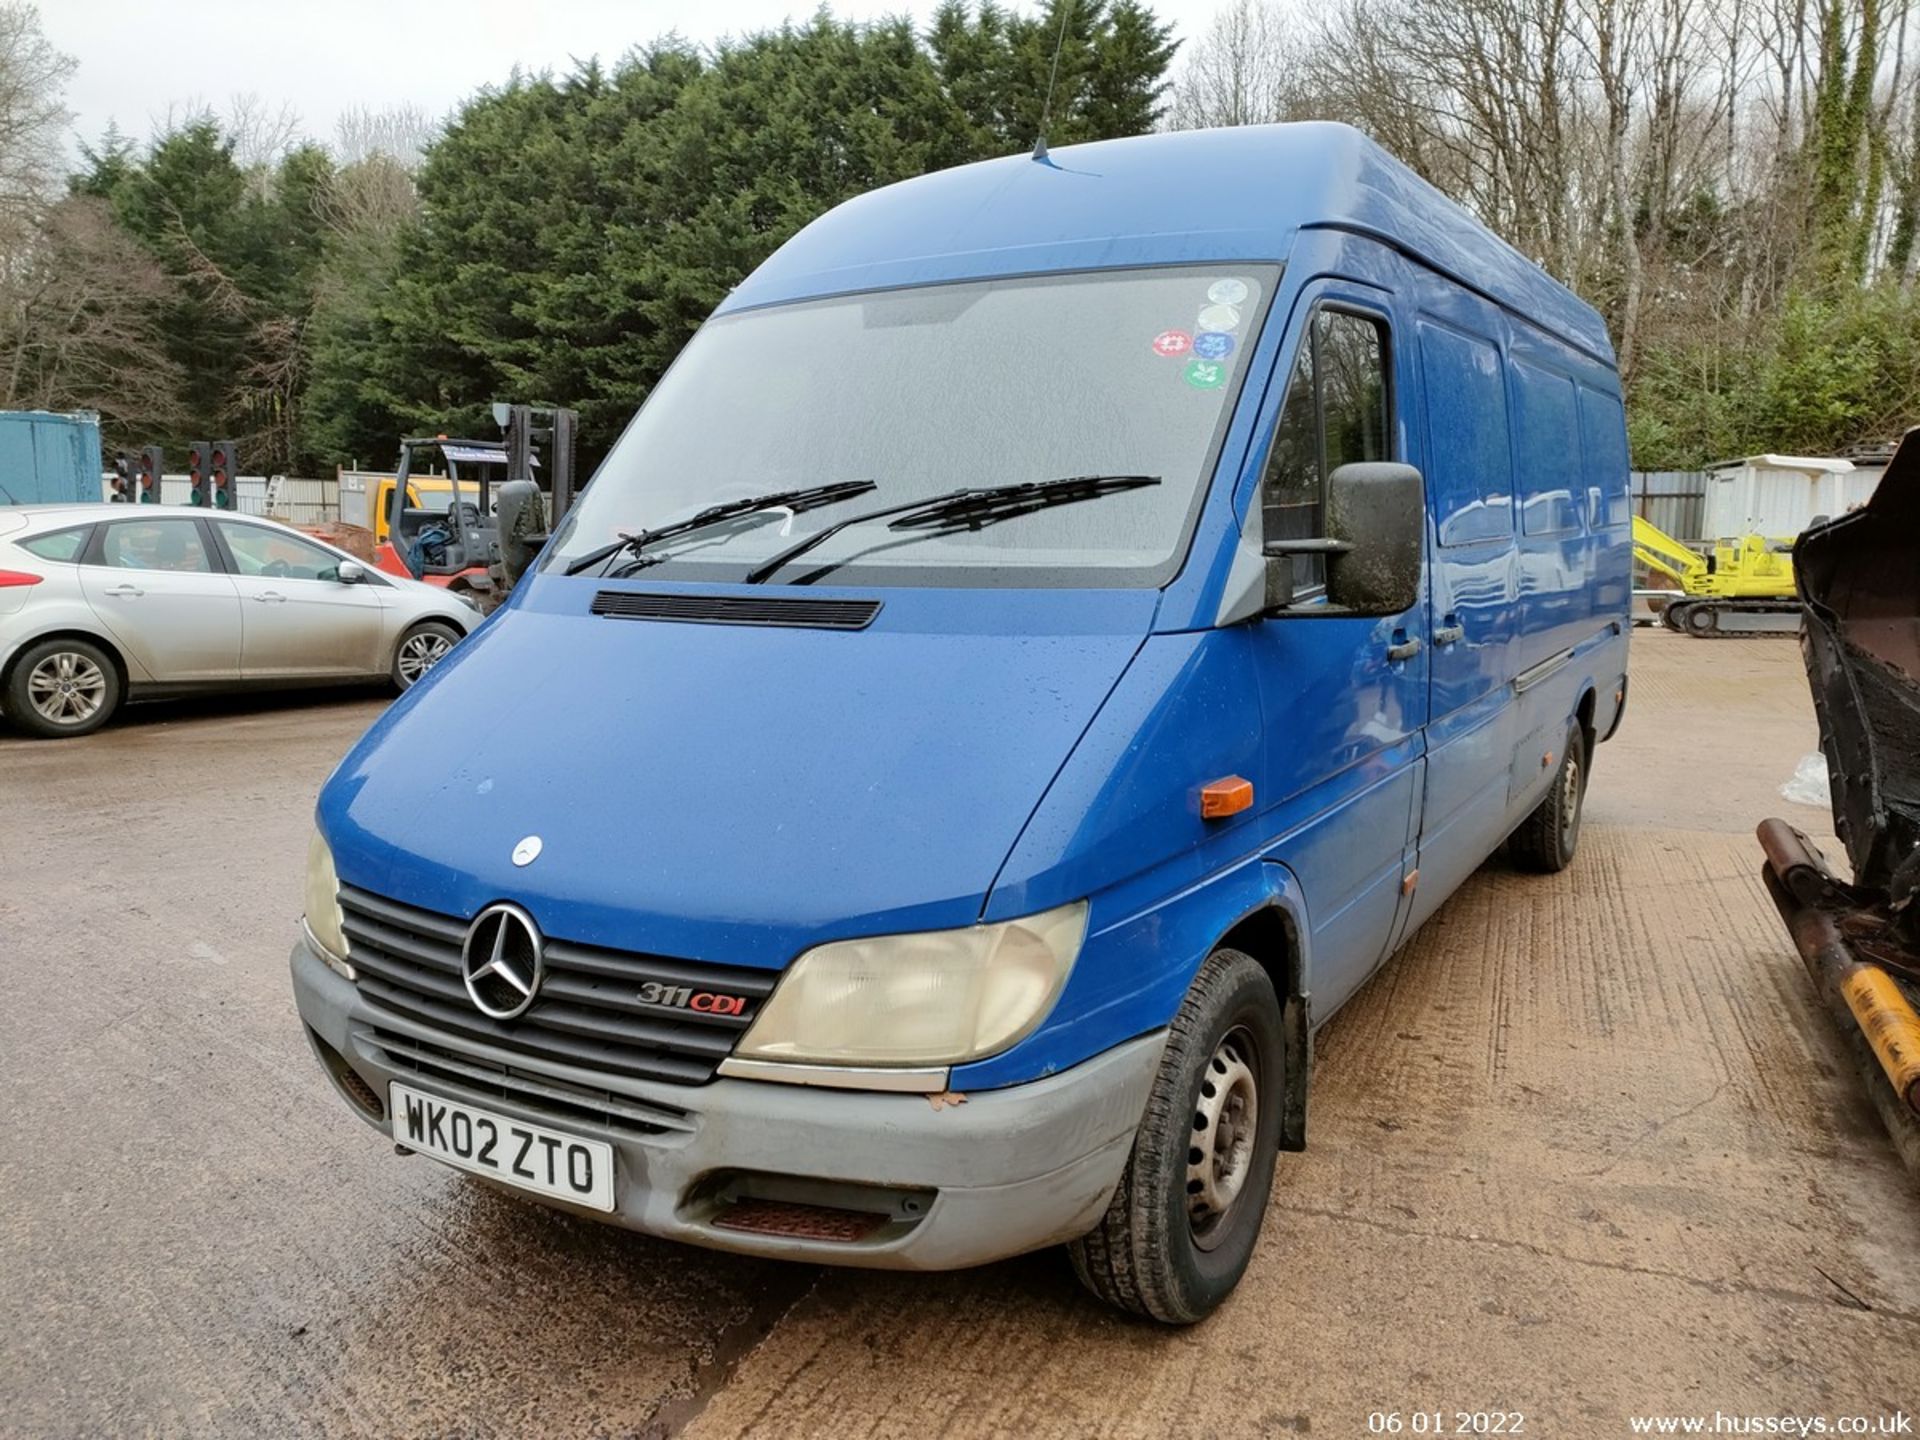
(1859, 580)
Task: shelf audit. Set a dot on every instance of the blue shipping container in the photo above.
(48, 459)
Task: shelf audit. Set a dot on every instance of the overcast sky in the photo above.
(138, 57)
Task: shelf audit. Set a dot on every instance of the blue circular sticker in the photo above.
(1213, 344)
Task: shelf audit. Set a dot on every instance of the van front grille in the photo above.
(588, 1013)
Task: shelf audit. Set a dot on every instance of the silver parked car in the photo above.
(105, 603)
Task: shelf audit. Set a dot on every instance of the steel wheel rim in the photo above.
(67, 688)
(1226, 1122)
(421, 653)
(1569, 799)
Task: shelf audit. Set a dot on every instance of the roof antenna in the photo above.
(1046, 109)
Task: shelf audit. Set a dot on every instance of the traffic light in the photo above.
(223, 468)
(153, 464)
(123, 478)
(197, 472)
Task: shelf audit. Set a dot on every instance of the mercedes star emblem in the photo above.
(503, 961)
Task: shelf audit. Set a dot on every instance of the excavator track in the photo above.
(1709, 618)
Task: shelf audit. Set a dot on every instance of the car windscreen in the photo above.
(930, 389)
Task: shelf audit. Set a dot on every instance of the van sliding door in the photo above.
(1474, 596)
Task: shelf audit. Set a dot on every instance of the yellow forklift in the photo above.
(1742, 587)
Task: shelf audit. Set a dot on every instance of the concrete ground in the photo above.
(1586, 1150)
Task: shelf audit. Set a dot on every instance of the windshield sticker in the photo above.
(1206, 374)
(1227, 292)
(1219, 317)
(1172, 342)
(1213, 344)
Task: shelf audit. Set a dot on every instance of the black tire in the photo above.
(1157, 1251)
(62, 688)
(416, 652)
(1547, 839)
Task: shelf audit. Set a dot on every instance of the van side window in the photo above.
(1546, 446)
(1469, 471)
(1603, 440)
(1335, 413)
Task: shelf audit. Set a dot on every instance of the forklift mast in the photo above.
(523, 522)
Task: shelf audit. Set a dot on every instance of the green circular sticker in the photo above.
(1206, 374)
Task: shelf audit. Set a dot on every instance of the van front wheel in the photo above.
(1181, 1227)
(1547, 838)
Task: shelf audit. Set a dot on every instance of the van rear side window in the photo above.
(1603, 441)
(1335, 413)
(1469, 471)
(1546, 438)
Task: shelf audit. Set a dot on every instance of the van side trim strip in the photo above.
(1534, 674)
(931, 1080)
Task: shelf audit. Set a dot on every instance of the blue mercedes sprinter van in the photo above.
(1058, 628)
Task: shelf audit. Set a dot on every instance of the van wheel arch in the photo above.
(1583, 712)
(1270, 936)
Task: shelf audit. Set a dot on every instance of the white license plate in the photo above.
(547, 1162)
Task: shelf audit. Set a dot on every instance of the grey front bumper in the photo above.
(1008, 1171)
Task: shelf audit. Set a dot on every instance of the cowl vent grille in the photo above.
(736, 610)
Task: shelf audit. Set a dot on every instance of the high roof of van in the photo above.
(1191, 195)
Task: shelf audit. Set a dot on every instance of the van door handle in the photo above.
(1403, 650)
(125, 592)
(271, 597)
(1448, 634)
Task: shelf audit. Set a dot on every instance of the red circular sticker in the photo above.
(1172, 342)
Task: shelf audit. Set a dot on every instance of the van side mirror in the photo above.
(1376, 532)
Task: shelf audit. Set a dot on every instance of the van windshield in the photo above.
(932, 389)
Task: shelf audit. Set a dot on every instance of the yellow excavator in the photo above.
(1743, 587)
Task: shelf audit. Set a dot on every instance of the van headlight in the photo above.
(322, 914)
(937, 998)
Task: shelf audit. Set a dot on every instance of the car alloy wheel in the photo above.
(67, 688)
(420, 652)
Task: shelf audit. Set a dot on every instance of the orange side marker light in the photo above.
(1227, 796)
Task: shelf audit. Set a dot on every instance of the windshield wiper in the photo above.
(963, 510)
(810, 498)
